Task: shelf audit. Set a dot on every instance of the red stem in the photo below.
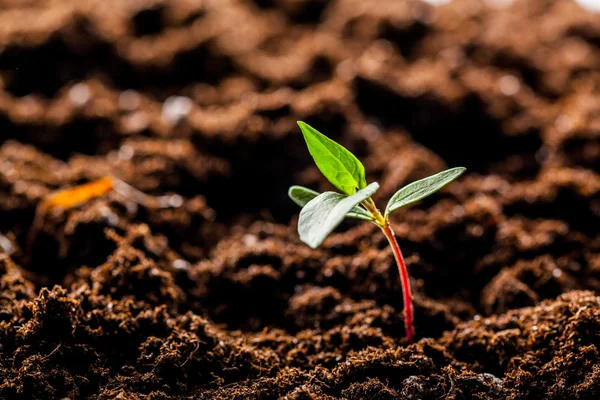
(408, 307)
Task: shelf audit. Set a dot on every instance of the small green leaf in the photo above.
(325, 212)
(334, 161)
(422, 188)
(302, 195)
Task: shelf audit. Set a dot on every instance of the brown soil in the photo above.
(217, 298)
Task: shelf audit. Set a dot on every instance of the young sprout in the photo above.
(322, 213)
(72, 197)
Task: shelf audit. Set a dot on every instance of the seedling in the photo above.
(322, 213)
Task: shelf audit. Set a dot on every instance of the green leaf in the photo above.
(325, 212)
(334, 161)
(301, 196)
(422, 188)
(358, 212)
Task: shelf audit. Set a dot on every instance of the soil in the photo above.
(216, 297)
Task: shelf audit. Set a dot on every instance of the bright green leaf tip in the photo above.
(335, 162)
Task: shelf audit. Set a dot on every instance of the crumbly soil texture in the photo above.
(214, 296)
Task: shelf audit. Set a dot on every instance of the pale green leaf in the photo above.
(334, 161)
(326, 211)
(358, 212)
(302, 195)
(422, 188)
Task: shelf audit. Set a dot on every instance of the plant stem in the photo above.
(384, 224)
(404, 280)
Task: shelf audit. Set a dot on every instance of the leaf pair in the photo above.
(301, 196)
(322, 213)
